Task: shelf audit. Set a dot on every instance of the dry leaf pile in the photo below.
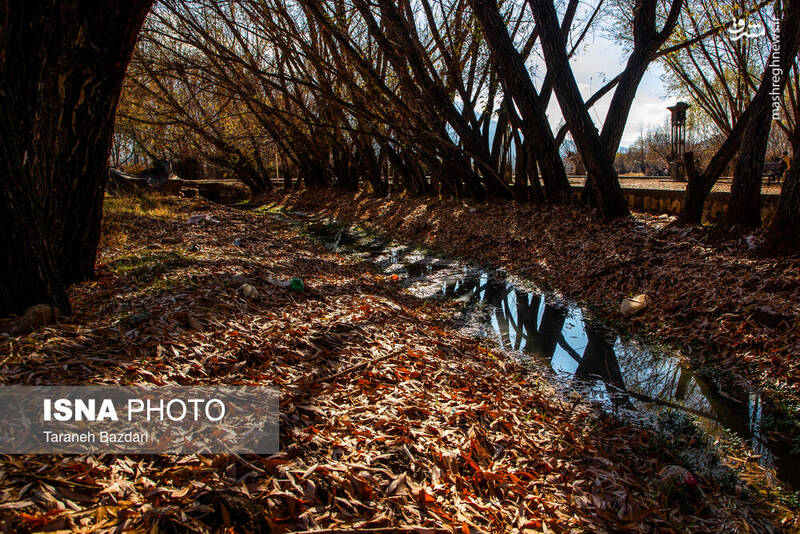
(736, 314)
(390, 420)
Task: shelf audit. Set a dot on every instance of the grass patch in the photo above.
(124, 216)
(139, 206)
(146, 265)
(273, 208)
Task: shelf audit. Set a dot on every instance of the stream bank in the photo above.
(391, 418)
(521, 240)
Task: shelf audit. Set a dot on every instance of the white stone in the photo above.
(631, 306)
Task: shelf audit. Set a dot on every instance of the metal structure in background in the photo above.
(677, 170)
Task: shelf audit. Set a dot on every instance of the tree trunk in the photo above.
(605, 185)
(287, 177)
(61, 70)
(696, 192)
(517, 83)
(744, 206)
(700, 185)
(313, 174)
(784, 232)
(405, 53)
(536, 195)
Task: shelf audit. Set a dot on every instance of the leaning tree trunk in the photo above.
(700, 184)
(61, 70)
(784, 232)
(697, 189)
(744, 206)
(517, 82)
(606, 189)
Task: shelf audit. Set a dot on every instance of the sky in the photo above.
(601, 61)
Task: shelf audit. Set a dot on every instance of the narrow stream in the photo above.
(629, 379)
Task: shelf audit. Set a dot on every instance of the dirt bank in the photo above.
(442, 436)
(734, 315)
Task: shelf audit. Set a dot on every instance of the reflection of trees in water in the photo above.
(527, 315)
(661, 379)
(684, 380)
(599, 358)
(600, 361)
(459, 288)
(544, 340)
(523, 320)
(646, 378)
(516, 314)
(656, 377)
(732, 410)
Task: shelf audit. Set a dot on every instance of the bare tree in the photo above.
(61, 69)
(750, 124)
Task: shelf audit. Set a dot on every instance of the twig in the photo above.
(63, 481)
(11, 354)
(355, 368)
(248, 464)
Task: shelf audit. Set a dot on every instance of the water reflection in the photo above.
(623, 375)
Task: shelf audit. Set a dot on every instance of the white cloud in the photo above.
(602, 60)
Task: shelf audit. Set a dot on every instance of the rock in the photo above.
(157, 179)
(238, 280)
(186, 319)
(752, 241)
(158, 174)
(464, 299)
(631, 306)
(34, 318)
(249, 292)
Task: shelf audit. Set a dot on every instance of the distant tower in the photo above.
(678, 140)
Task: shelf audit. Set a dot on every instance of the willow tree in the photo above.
(599, 148)
(720, 73)
(61, 69)
(744, 206)
(783, 234)
(530, 104)
(748, 133)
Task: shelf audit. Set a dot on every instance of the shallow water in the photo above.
(629, 379)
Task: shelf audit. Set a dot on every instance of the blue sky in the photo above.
(602, 60)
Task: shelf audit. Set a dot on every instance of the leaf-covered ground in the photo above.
(735, 315)
(390, 420)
